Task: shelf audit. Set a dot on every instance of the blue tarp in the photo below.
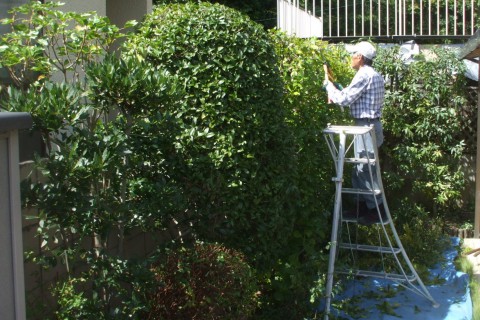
(372, 302)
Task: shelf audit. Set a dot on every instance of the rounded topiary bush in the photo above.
(233, 156)
(207, 281)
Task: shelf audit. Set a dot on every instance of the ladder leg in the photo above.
(335, 223)
(378, 181)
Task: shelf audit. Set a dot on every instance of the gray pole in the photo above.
(477, 174)
(12, 295)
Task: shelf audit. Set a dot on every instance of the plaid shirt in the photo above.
(364, 95)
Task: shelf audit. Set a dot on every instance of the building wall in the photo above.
(121, 11)
(99, 6)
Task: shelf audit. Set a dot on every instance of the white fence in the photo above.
(299, 21)
(378, 18)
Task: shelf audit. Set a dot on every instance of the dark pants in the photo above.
(361, 178)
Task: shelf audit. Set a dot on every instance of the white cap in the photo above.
(365, 48)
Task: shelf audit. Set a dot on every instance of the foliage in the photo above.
(464, 264)
(232, 156)
(422, 236)
(97, 186)
(86, 296)
(95, 190)
(234, 159)
(301, 66)
(208, 123)
(423, 148)
(206, 281)
(261, 11)
(46, 41)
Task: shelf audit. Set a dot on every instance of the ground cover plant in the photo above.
(205, 124)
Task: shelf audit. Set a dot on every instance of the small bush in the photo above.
(207, 281)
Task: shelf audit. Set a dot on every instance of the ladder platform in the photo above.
(361, 191)
(381, 275)
(347, 129)
(370, 248)
(360, 160)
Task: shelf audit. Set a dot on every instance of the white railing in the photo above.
(378, 18)
(297, 20)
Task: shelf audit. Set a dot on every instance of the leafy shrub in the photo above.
(423, 145)
(235, 158)
(422, 236)
(301, 66)
(43, 43)
(206, 281)
(96, 186)
(232, 155)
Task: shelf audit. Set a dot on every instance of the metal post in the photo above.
(477, 175)
(12, 282)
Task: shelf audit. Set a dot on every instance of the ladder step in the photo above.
(364, 247)
(380, 275)
(361, 191)
(355, 220)
(360, 160)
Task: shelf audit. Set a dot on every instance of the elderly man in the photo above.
(365, 97)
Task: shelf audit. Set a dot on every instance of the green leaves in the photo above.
(423, 125)
(43, 40)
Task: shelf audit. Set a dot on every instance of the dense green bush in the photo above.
(423, 134)
(232, 154)
(301, 67)
(205, 281)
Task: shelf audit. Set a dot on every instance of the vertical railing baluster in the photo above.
(330, 17)
(346, 18)
(371, 16)
(400, 20)
(455, 17)
(355, 18)
(446, 17)
(338, 18)
(363, 18)
(429, 17)
(473, 20)
(412, 10)
(379, 17)
(388, 18)
(438, 17)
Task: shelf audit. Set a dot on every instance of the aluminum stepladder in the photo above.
(346, 137)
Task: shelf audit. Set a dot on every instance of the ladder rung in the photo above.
(355, 220)
(360, 160)
(380, 275)
(361, 191)
(364, 247)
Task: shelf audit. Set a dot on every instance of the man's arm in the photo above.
(349, 94)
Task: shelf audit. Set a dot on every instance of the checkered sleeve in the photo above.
(349, 94)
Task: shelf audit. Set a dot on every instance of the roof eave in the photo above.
(471, 49)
